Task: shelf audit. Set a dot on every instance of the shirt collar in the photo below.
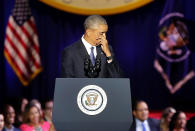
(138, 122)
(88, 46)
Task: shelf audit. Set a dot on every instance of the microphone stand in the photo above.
(90, 70)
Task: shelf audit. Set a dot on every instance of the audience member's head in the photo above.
(1, 122)
(140, 110)
(33, 120)
(9, 115)
(178, 121)
(24, 102)
(166, 118)
(20, 110)
(48, 110)
(38, 104)
(32, 115)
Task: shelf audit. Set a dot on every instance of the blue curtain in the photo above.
(133, 36)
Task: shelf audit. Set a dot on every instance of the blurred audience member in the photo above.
(178, 122)
(191, 124)
(38, 104)
(141, 121)
(166, 118)
(33, 120)
(9, 114)
(48, 111)
(1, 122)
(24, 102)
(21, 107)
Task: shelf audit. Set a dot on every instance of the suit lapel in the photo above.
(83, 50)
(150, 125)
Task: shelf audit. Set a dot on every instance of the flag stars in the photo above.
(21, 11)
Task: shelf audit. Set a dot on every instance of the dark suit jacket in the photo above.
(153, 124)
(72, 62)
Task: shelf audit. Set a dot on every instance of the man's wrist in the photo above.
(109, 59)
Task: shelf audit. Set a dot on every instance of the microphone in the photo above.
(90, 70)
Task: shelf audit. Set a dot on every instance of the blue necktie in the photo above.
(92, 57)
(143, 127)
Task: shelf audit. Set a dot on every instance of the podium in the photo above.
(92, 104)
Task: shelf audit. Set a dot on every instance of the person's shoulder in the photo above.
(16, 129)
(152, 120)
(25, 127)
(75, 45)
(46, 124)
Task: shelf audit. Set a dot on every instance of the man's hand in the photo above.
(105, 47)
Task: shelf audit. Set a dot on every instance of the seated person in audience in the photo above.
(33, 120)
(20, 110)
(38, 104)
(141, 121)
(178, 122)
(9, 114)
(1, 122)
(166, 118)
(48, 110)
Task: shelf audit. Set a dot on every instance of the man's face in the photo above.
(97, 34)
(10, 116)
(141, 112)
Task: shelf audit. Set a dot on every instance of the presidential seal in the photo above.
(92, 100)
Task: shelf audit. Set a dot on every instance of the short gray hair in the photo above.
(94, 20)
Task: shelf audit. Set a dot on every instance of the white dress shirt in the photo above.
(139, 125)
(88, 47)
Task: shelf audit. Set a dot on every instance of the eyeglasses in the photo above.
(141, 110)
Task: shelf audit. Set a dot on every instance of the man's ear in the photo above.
(88, 32)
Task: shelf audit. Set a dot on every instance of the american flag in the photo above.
(21, 47)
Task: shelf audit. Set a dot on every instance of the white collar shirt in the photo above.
(88, 47)
(139, 126)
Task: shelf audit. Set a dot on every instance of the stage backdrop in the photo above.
(133, 36)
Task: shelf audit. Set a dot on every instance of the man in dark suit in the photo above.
(91, 56)
(141, 122)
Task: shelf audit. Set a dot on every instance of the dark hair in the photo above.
(174, 119)
(27, 110)
(135, 103)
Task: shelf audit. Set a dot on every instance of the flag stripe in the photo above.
(32, 25)
(33, 41)
(32, 53)
(21, 72)
(16, 51)
(19, 47)
(26, 30)
(27, 48)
